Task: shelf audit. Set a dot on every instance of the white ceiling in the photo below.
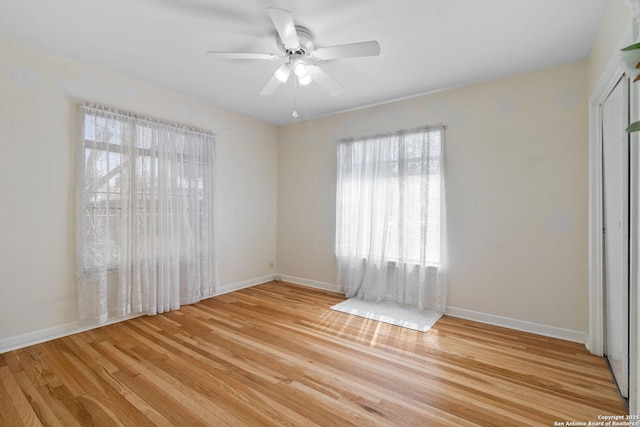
(426, 45)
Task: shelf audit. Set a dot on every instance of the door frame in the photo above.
(595, 342)
(609, 79)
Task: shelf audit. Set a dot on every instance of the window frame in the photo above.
(396, 163)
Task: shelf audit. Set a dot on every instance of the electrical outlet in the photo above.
(270, 264)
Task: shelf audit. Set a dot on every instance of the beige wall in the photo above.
(517, 191)
(39, 91)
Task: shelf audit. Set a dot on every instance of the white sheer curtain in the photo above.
(145, 215)
(390, 219)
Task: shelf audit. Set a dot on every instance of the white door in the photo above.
(615, 152)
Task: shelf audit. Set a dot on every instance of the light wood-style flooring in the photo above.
(275, 354)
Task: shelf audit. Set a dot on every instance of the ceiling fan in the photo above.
(296, 44)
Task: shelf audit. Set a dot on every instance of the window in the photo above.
(389, 210)
(111, 169)
(145, 213)
(391, 186)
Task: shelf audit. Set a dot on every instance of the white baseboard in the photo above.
(309, 283)
(506, 322)
(519, 325)
(225, 289)
(37, 337)
(48, 334)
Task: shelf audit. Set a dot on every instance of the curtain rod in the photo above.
(388, 134)
(151, 120)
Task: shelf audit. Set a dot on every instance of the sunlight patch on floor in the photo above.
(390, 312)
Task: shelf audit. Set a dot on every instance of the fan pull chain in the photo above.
(295, 86)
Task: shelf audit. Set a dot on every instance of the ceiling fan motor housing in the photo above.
(305, 39)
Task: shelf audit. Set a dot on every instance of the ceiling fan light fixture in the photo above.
(304, 80)
(283, 72)
(300, 67)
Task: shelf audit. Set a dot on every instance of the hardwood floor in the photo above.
(275, 354)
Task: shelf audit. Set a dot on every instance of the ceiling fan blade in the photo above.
(283, 21)
(271, 86)
(325, 81)
(241, 55)
(352, 50)
(280, 76)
